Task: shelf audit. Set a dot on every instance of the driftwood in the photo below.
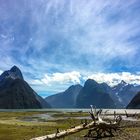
(97, 125)
(131, 115)
(65, 132)
(104, 128)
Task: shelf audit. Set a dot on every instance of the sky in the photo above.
(58, 43)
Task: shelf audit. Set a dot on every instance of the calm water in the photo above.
(110, 111)
(49, 112)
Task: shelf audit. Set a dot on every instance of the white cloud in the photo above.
(75, 77)
(115, 78)
(58, 82)
(94, 30)
(35, 82)
(61, 78)
(84, 35)
(1, 71)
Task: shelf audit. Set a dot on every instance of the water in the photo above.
(49, 112)
(109, 111)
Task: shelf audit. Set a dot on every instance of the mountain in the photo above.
(94, 94)
(15, 92)
(44, 104)
(135, 102)
(99, 95)
(123, 93)
(13, 73)
(66, 99)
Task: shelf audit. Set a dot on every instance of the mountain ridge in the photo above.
(135, 102)
(119, 95)
(64, 99)
(94, 94)
(15, 92)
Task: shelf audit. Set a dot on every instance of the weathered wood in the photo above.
(65, 132)
(103, 128)
(98, 125)
(131, 115)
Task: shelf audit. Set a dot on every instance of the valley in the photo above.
(17, 125)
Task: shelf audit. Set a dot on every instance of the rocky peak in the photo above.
(13, 73)
(14, 69)
(123, 82)
(74, 88)
(90, 82)
(16, 73)
(119, 86)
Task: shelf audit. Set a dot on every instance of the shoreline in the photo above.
(14, 127)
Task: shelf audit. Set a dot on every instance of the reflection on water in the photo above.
(110, 111)
(48, 116)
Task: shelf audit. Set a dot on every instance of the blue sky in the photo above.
(57, 43)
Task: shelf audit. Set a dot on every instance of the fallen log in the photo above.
(131, 115)
(65, 132)
(97, 124)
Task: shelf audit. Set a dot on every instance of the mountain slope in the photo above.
(15, 93)
(124, 93)
(66, 99)
(135, 102)
(44, 104)
(13, 73)
(94, 94)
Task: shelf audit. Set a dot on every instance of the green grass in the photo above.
(70, 114)
(12, 126)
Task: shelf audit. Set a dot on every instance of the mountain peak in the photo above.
(66, 99)
(14, 68)
(13, 73)
(123, 82)
(73, 88)
(91, 81)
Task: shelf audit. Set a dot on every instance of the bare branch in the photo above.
(98, 125)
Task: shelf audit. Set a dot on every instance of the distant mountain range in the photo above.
(94, 94)
(15, 92)
(66, 99)
(99, 95)
(124, 93)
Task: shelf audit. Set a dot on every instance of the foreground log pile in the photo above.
(99, 126)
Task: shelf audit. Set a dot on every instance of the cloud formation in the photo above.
(75, 78)
(58, 82)
(62, 78)
(115, 78)
(58, 78)
(1, 71)
(57, 36)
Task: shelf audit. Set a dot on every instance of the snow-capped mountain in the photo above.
(124, 92)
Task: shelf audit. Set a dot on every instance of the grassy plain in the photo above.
(14, 126)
